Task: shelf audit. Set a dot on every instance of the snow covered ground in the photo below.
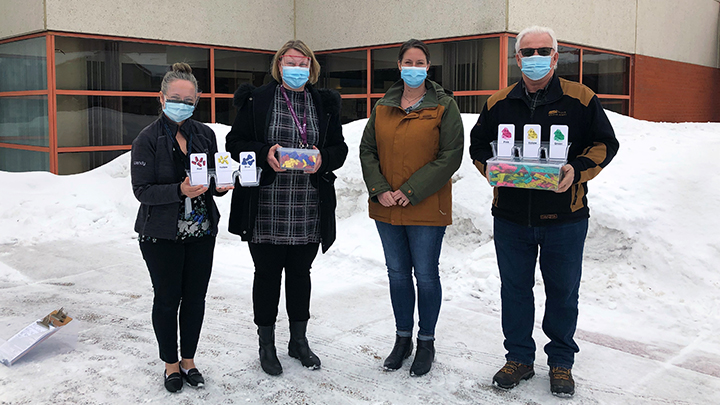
(649, 327)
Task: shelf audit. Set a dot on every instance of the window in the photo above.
(606, 73)
(353, 109)
(235, 68)
(95, 64)
(106, 120)
(23, 65)
(345, 72)
(78, 162)
(18, 160)
(24, 120)
(471, 104)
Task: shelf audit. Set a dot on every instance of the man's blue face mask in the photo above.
(536, 67)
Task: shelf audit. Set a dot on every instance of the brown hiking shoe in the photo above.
(561, 382)
(511, 374)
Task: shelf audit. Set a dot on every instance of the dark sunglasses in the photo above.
(545, 51)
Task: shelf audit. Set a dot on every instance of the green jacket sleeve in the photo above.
(431, 177)
(370, 162)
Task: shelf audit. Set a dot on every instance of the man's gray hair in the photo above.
(535, 29)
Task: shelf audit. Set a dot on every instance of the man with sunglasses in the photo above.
(528, 221)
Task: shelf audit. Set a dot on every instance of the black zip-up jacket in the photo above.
(249, 133)
(593, 146)
(156, 180)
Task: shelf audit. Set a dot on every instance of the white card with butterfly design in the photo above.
(198, 169)
(248, 168)
(223, 169)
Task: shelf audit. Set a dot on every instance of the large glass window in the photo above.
(353, 109)
(606, 73)
(24, 120)
(94, 64)
(78, 162)
(458, 65)
(471, 104)
(104, 120)
(225, 111)
(568, 63)
(18, 160)
(345, 72)
(620, 106)
(23, 65)
(235, 68)
(466, 65)
(384, 68)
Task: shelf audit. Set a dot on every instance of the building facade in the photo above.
(79, 79)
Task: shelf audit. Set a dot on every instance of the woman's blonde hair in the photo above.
(299, 46)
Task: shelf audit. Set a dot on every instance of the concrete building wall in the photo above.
(684, 31)
(263, 24)
(335, 24)
(608, 24)
(18, 17)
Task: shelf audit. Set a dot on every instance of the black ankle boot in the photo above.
(298, 346)
(424, 358)
(401, 351)
(268, 357)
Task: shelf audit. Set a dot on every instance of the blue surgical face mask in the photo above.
(295, 76)
(413, 76)
(536, 67)
(178, 112)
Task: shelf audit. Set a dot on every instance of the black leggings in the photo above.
(269, 263)
(180, 273)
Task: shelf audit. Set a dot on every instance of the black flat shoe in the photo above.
(173, 382)
(193, 378)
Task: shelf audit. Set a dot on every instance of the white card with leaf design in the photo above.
(558, 142)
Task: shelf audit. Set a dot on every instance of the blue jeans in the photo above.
(406, 248)
(561, 253)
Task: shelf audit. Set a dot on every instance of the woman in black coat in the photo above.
(291, 213)
(176, 222)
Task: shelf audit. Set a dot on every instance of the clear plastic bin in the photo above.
(517, 172)
(297, 159)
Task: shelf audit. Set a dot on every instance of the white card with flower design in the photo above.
(505, 140)
(223, 169)
(198, 169)
(558, 142)
(531, 141)
(248, 168)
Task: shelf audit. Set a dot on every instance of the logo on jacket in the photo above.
(557, 113)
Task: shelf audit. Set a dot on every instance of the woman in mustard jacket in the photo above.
(411, 146)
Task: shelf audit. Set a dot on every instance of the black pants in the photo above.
(180, 273)
(269, 263)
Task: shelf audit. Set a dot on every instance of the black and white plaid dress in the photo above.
(288, 208)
